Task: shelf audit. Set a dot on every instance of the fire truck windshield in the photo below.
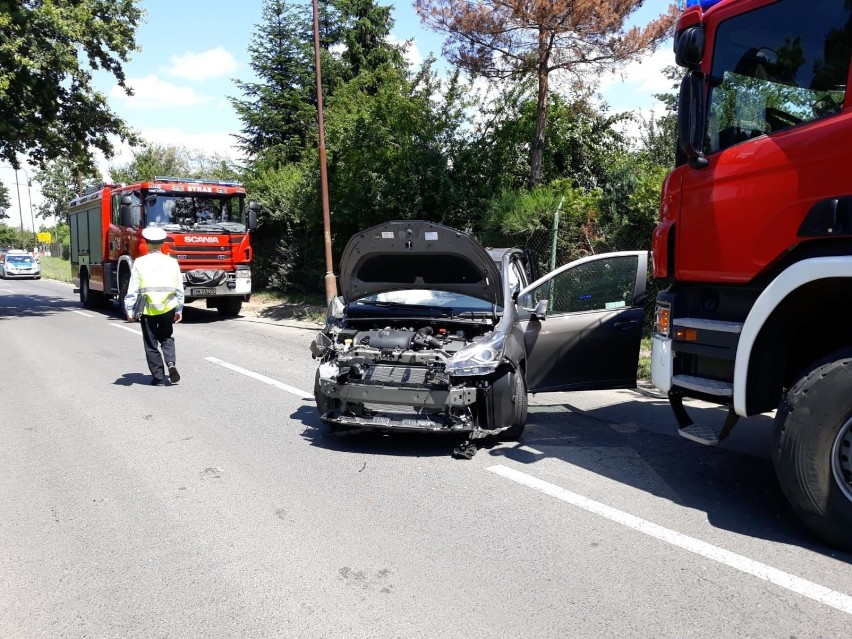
(200, 213)
(775, 67)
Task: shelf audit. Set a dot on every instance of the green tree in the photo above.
(10, 237)
(48, 106)
(278, 111)
(388, 144)
(151, 160)
(5, 202)
(519, 39)
(61, 182)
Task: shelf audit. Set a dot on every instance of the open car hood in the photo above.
(414, 254)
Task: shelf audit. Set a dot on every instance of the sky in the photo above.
(192, 50)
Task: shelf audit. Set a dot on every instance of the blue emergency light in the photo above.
(704, 4)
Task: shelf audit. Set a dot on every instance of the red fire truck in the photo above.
(208, 225)
(755, 240)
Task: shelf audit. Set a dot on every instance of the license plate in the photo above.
(198, 292)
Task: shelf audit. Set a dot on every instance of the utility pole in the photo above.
(330, 283)
(30, 199)
(20, 210)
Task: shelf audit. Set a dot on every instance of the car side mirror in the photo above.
(540, 311)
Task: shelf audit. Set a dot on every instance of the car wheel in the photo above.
(812, 451)
(519, 412)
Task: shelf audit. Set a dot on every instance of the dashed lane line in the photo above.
(780, 578)
(127, 328)
(261, 378)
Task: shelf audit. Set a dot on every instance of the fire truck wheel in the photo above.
(229, 307)
(813, 448)
(88, 297)
(123, 285)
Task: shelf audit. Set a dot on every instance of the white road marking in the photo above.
(80, 313)
(780, 578)
(127, 328)
(262, 378)
(6, 290)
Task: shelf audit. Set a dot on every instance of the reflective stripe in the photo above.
(160, 285)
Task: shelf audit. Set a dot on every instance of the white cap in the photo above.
(154, 234)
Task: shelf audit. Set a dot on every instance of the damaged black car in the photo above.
(434, 332)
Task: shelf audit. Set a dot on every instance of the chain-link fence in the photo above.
(553, 245)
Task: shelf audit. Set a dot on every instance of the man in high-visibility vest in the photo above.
(155, 298)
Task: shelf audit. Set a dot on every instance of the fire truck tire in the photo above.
(812, 451)
(229, 306)
(88, 297)
(123, 285)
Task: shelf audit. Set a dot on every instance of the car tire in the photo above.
(812, 451)
(519, 412)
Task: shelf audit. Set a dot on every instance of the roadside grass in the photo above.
(644, 370)
(55, 268)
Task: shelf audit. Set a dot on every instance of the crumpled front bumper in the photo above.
(420, 409)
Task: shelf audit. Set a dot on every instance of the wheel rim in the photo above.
(841, 459)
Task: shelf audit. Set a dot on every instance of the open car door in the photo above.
(583, 323)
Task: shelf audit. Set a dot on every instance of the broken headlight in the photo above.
(479, 358)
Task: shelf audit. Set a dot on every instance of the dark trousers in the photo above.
(157, 334)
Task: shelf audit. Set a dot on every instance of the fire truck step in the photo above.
(704, 385)
(710, 435)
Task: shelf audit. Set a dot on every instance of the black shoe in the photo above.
(174, 376)
(158, 382)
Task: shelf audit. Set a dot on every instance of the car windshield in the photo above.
(200, 213)
(427, 299)
(19, 259)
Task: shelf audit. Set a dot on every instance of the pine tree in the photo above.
(279, 111)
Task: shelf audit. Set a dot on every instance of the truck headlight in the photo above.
(480, 358)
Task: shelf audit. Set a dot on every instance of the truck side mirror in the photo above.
(689, 48)
(254, 208)
(690, 119)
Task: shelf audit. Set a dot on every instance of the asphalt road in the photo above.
(222, 507)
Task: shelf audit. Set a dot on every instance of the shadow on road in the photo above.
(131, 379)
(13, 305)
(374, 443)
(633, 442)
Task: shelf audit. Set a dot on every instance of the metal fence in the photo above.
(553, 245)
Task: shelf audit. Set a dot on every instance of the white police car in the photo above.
(19, 264)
